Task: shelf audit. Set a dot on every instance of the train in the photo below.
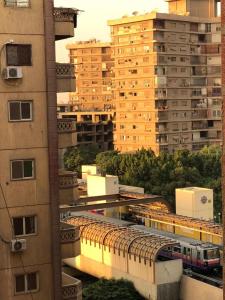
(196, 255)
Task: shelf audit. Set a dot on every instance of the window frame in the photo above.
(26, 291)
(24, 225)
(15, 4)
(18, 64)
(23, 178)
(21, 120)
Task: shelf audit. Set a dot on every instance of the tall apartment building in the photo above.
(32, 240)
(93, 67)
(91, 127)
(167, 85)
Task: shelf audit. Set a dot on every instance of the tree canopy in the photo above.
(111, 290)
(75, 157)
(164, 173)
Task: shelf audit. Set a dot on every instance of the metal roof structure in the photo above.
(174, 236)
(173, 219)
(125, 239)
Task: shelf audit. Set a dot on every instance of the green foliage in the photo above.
(164, 173)
(111, 290)
(77, 156)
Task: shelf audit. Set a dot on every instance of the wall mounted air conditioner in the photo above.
(13, 73)
(18, 245)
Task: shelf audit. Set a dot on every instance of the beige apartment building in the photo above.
(32, 240)
(91, 127)
(93, 70)
(167, 84)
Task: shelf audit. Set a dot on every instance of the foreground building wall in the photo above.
(28, 197)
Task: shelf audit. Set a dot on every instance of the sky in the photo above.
(92, 23)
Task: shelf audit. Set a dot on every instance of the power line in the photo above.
(13, 235)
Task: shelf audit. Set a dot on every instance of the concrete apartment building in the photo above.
(93, 67)
(167, 85)
(32, 240)
(91, 127)
(91, 105)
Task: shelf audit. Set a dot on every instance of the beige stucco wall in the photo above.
(102, 185)
(25, 140)
(192, 289)
(188, 203)
(105, 262)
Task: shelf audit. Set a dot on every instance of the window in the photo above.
(22, 169)
(24, 225)
(25, 283)
(17, 3)
(20, 110)
(18, 55)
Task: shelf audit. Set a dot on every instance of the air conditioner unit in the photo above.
(18, 245)
(13, 73)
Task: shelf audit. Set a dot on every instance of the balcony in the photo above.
(71, 288)
(65, 22)
(66, 133)
(65, 78)
(68, 188)
(70, 240)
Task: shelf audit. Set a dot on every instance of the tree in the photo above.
(111, 290)
(75, 157)
(164, 173)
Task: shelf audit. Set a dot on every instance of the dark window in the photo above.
(24, 225)
(31, 281)
(18, 55)
(20, 283)
(20, 110)
(177, 249)
(18, 226)
(22, 169)
(25, 283)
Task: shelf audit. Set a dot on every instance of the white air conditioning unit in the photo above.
(18, 245)
(13, 73)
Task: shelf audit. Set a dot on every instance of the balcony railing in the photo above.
(67, 133)
(71, 288)
(65, 70)
(68, 233)
(65, 75)
(66, 125)
(67, 180)
(65, 22)
(66, 15)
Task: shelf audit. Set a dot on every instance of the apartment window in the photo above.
(18, 55)
(17, 3)
(20, 110)
(26, 283)
(24, 225)
(22, 169)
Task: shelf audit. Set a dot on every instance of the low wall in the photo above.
(192, 289)
(152, 280)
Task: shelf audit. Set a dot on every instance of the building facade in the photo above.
(91, 128)
(167, 84)
(93, 67)
(32, 240)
